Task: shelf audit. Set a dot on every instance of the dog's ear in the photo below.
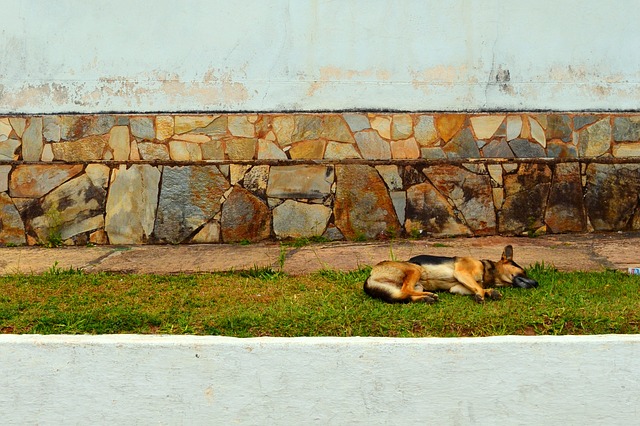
(507, 254)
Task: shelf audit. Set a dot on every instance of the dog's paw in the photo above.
(429, 299)
(478, 298)
(493, 294)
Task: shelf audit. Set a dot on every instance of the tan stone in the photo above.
(134, 155)
(537, 132)
(311, 150)
(267, 150)
(498, 197)
(34, 181)
(119, 143)
(131, 205)
(184, 151)
(241, 148)
(32, 141)
(4, 177)
(514, 126)
(164, 127)
(283, 127)
(340, 151)
(308, 181)
(186, 123)
(237, 171)
(485, 126)
(85, 149)
(449, 124)
(495, 171)
(209, 233)
(240, 126)
(407, 148)
(47, 153)
(382, 125)
(336, 129)
(18, 124)
(99, 237)
(5, 129)
(401, 126)
(372, 146)
(193, 138)
(425, 131)
(213, 150)
(293, 219)
(153, 151)
(99, 174)
(391, 176)
(8, 149)
(626, 149)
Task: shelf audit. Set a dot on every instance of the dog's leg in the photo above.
(412, 274)
(471, 284)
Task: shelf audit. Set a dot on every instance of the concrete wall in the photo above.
(222, 55)
(120, 379)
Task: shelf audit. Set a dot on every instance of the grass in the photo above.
(264, 302)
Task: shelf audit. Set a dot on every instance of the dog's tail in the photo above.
(384, 292)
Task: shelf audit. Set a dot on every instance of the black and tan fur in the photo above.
(417, 279)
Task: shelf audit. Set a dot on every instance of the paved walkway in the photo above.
(566, 252)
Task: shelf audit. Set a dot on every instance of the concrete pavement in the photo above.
(567, 252)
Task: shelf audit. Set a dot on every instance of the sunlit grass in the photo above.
(266, 302)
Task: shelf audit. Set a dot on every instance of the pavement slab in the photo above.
(567, 252)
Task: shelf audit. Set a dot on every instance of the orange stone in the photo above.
(449, 124)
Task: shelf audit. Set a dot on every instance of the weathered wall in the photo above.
(214, 380)
(304, 55)
(132, 179)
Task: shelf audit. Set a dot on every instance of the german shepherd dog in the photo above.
(417, 279)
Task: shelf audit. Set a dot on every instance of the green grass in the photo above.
(264, 302)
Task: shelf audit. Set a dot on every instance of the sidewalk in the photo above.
(566, 252)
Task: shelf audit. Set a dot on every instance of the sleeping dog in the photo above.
(417, 279)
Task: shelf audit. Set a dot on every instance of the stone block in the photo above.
(310, 181)
(293, 219)
(244, 217)
(36, 180)
(372, 146)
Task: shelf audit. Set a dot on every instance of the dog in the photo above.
(417, 279)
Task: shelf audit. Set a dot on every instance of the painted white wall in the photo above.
(278, 55)
(126, 379)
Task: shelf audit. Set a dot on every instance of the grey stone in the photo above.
(132, 203)
(310, 181)
(558, 127)
(595, 140)
(425, 131)
(428, 212)
(525, 200)
(391, 176)
(142, 128)
(462, 145)
(611, 196)
(497, 149)
(526, 149)
(11, 226)
(357, 122)
(565, 210)
(558, 149)
(626, 129)
(579, 121)
(372, 146)
(256, 180)
(399, 200)
(470, 193)
(292, 219)
(73, 208)
(306, 127)
(189, 197)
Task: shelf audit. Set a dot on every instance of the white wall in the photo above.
(125, 379)
(277, 55)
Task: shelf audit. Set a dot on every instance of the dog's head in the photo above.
(509, 274)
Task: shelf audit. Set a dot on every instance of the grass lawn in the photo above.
(327, 303)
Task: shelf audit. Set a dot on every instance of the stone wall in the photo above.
(135, 179)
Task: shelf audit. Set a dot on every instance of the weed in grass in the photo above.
(440, 245)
